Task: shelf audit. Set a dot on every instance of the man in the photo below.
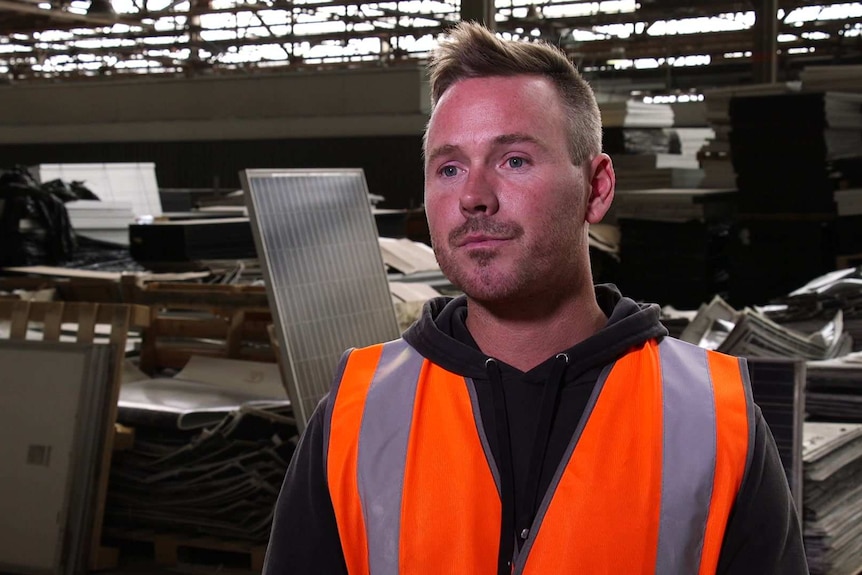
(537, 424)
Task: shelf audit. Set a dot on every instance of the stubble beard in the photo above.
(526, 273)
(476, 274)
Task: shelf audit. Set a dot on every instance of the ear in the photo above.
(602, 181)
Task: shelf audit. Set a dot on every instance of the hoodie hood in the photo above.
(441, 335)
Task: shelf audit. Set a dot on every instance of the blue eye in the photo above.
(449, 171)
(516, 162)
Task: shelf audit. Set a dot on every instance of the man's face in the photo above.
(505, 204)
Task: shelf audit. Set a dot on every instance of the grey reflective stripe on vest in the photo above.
(688, 456)
(383, 437)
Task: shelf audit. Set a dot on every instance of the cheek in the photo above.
(435, 213)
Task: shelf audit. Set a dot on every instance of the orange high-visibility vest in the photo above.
(645, 486)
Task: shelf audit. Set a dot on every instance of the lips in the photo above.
(475, 239)
(483, 232)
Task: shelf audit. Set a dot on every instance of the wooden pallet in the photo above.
(51, 316)
(168, 548)
(200, 319)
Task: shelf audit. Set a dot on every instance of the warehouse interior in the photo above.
(197, 195)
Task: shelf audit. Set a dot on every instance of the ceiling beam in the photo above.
(29, 8)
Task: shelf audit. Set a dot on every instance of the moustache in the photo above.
(493, 228)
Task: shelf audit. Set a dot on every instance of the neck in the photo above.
(525, 334)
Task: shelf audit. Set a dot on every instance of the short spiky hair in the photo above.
(472, 51)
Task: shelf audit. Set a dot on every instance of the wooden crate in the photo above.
(50, 316)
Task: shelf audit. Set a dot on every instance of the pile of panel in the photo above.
(832, 508)
(209, 454)
(632, 113)
(832, 78)
(645, 151)
(835, 389)
(791, 153)
(693, 225)
(813, 305)
(778, 387)
(750, 333)
(715, 157)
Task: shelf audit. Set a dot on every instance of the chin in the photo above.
(487, 289)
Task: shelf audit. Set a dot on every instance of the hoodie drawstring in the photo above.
(516, 523)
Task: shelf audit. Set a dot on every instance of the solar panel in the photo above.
(50, 470)
(326, 283)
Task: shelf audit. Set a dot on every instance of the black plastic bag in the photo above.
(34, 224)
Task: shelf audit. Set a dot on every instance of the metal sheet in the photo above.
(327, 285)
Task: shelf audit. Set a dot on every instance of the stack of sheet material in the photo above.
(796, 150)
(689, 114)
(676, 205)
(103, 221)
(832, 78)
(832, 509)
(618, 141)
(715, 157)
(210, 451)
(691, 141)
(778, 387)
(633, 113)
(656, 158)
(750, 333)
(811, 306)
(835, 389)
(641, 178)
(691, 224)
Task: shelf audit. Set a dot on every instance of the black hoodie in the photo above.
(763, 536)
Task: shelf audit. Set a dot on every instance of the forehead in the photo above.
(480, 106)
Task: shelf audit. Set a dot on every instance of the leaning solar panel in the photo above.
(326, 282)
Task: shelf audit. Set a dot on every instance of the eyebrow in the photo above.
(501, 140)
(443, 150)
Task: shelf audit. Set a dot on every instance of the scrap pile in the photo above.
(211, 447)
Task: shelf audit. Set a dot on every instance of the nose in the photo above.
(479, 196)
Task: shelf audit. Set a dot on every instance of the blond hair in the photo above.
(472, 51)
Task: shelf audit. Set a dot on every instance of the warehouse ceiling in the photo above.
(668, 44)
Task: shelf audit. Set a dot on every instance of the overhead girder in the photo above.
(388, 24)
